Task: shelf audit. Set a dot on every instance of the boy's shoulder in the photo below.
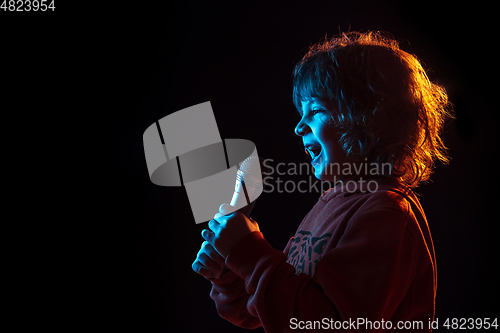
(375, 194)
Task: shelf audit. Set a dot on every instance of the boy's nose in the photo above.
(302, 129)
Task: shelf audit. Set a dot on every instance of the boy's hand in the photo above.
(228, 230)
(208, 262)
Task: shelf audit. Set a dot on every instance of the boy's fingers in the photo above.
(206, 261)
(218, 215)
(214, 225)
(213, 254)
(208, 235)
(225, 209)
(202, 270)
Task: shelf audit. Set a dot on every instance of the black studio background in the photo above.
(159, 59)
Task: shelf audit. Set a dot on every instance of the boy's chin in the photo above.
(324, 176)
(328, 178)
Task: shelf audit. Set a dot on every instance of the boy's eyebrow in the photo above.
(305, 101)
(300, 110)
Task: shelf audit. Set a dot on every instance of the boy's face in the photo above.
(320, 139)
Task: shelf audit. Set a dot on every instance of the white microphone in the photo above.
(248, 185)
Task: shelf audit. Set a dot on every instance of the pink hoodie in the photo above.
(357, 257)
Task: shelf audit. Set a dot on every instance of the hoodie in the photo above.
(362, 259)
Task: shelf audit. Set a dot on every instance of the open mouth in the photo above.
(314, 151)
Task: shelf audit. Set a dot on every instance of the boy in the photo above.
(362, 258)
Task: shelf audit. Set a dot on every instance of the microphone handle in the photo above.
(245, 210)
(241, 194)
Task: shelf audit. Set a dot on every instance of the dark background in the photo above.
(158, 59)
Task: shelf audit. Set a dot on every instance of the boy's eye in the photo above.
(316, 111)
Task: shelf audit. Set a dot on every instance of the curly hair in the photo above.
(386, 108)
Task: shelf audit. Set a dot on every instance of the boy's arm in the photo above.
(228, 289)
(231, 300)
(366, 275)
